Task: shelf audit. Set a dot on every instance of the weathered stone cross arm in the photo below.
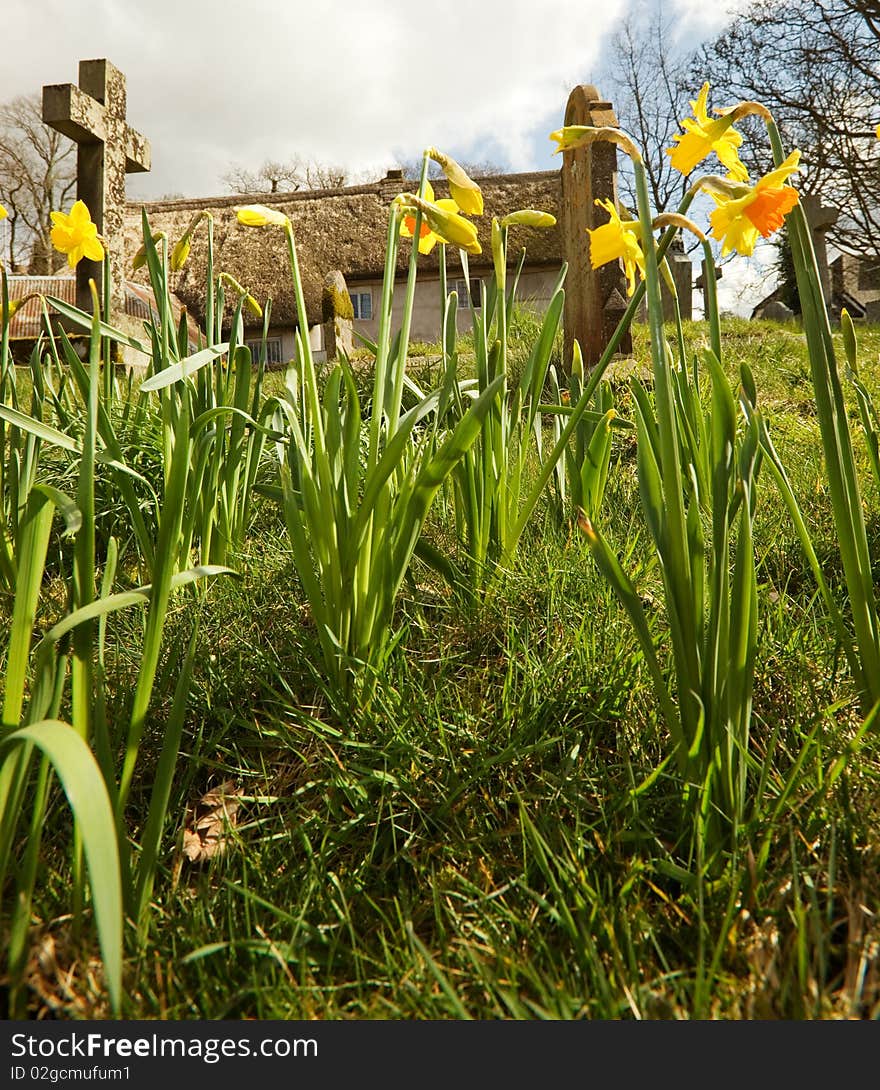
(81, 118)
(93, 116)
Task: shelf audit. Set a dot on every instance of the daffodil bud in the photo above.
(462, 188)
(253, 306)
(577, 362)
(17, 304)
(499, 258)
(849, 340)
(571, 137)
(258, 215)
(528, 217)
(180, 253)
(140, 258)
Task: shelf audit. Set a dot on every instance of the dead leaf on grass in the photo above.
(209, 821)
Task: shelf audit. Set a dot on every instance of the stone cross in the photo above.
(594, 299)
(820, 217)
(93, 116)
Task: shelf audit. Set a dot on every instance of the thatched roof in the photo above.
(341, 229)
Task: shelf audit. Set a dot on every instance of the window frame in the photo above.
(357, 297)
(472, 300)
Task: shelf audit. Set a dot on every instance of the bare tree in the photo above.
(814, 64)
(276, 177)
(645, 78)
(37, 176)
(412, 169)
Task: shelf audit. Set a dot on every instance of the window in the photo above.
(362, 304)
(476, 296)
(273, 349)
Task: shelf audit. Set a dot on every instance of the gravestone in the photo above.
(682, 276)
(595, 299)
(820, 217)
(93, 116)
(716, 272)
(338, 316)
(682, 272)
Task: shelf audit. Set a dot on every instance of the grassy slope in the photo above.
(472, 848)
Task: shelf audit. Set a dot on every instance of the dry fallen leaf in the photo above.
(209, 821)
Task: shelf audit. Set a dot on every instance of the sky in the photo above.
(362, 83)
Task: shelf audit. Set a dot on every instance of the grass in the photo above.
(487, 842)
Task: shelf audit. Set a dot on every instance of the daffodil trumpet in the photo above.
(744, 212)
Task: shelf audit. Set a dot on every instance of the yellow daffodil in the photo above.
(462, 188)
(74, 234)
(702, 136)
(449, 226)
(258, 215)
(617, 240)
(140, 258)
(744, 212)
(428, 239)
(528, 217)
(3, 213)
(877, 131)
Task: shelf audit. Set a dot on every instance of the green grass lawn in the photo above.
(485, 841)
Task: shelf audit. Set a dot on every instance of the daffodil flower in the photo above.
(703, 135)
(528, 217)
(617, 240)
(3, 213)
(428, 239)
(74, 234)
(258, 215)
(744, 212)
(462, 188)
(447, 225)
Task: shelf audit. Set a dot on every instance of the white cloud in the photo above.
(745, 281)
(359, 83)
(704, 19)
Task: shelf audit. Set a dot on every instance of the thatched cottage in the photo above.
(855, 284)
(345, 229)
